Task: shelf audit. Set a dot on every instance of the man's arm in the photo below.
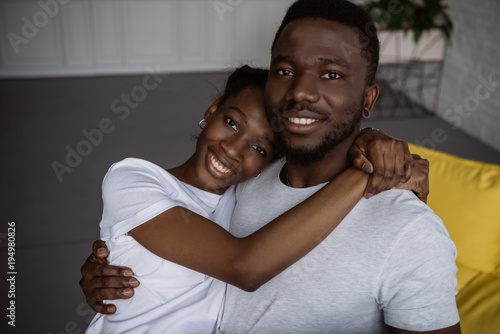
(417, 285)
(245, 262)
(449, 330)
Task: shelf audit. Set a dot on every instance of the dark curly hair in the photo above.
(341, 11)
(241, 78)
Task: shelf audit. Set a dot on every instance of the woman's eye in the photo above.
(232, 123)
(284, 72)
(259, 149)
(331, 75)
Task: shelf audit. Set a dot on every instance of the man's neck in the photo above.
(335, 162)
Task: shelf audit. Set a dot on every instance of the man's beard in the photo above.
(306, 156)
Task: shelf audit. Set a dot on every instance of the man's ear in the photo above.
(371, 95)
(213, 108)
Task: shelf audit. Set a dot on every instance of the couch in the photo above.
(466, 195)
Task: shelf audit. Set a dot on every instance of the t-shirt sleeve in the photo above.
(418, 285)
(134, 192)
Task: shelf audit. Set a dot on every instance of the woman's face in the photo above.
(236, 143)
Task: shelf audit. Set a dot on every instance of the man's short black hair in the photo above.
(341, 11)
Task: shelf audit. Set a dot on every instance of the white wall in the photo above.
(99, 37)
(88, 37)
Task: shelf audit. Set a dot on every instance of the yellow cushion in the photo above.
(465, 275)
(466, 195)
(479, 305)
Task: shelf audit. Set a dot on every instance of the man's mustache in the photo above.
(302, 106)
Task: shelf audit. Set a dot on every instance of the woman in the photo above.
(160, 223)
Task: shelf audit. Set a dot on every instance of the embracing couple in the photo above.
(327, 230)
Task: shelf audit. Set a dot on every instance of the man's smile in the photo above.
(302, 125)
(302, 121)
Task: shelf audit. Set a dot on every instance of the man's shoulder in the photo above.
(419, 270)
(400, 211)
(398, 200)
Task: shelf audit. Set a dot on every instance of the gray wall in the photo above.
(470, 90)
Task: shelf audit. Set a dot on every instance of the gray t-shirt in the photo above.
(391, 261)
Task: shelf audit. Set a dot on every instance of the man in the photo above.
(390, 263)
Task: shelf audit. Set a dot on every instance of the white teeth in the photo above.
(221, 168)
(302, 121)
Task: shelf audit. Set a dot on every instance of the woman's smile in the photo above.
(218, 167)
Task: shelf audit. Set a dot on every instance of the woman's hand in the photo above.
(387, 159)
(419, 181)
(102, 281)
(390, 164)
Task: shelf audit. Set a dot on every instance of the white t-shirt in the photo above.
(390, 260)
(170, 298)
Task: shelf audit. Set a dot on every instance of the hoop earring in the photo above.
(202, 124)
(366, 113)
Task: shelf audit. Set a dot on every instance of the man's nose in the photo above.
(304, 89)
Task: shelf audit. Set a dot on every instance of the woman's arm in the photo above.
(102, 281)
(249, 262)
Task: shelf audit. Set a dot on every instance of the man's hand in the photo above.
(419, 181)
(102, 281)
(386, 158)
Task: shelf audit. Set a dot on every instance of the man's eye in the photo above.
(331, 76)
(259, 149)
(232, 123)
(284, 72)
